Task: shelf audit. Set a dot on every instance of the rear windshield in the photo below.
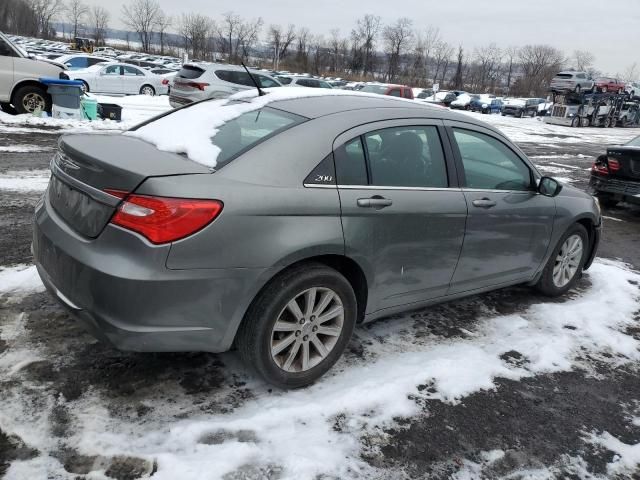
(564, 75)
(246, 131)
(381, 89)
(284, 80)
(242, 78)
(191, 72)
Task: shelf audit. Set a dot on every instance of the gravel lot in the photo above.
(73, 408)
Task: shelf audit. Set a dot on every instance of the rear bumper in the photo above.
(176, 101)
(623, 190)
(119, 288)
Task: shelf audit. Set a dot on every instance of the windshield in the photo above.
(381, 89)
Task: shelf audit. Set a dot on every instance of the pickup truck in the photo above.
(20, 86)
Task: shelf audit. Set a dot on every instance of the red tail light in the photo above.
(164, 219)
(199, 85)
(614, 165)
(165, 81)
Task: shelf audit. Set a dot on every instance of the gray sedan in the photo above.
(321, 213)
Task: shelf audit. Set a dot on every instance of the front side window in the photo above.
(244, 132)
(284, 80)
(490, 164)
(6, 50)
(406, 157)
(112, 70)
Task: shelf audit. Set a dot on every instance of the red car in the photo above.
(388, 89)
(607, 84)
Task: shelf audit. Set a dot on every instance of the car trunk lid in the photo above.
(628, 162)
(87, 168)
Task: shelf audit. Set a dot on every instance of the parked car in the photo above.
(424, 93)
(105, 51)
(615, 176)
(81, 61)
(440, 98)
(544, 107)
(121, 78)
(462, 102)
(572, 82)
(196, 82)
(283, 247)
(520, 107)
(632, 88)
(300, 81)
(629, 115)
(20, 86)
(608, 84)
(390, 89)
(485, 104)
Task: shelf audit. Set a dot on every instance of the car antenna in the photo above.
(260, 91)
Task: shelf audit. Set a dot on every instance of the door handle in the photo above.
(376, 202)
(484, 203)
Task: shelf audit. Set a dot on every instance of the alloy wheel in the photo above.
(307, 329)
(32, 101)
(567, 261)
(147, 91)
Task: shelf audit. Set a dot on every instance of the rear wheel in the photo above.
(576, 122)
(298, 326)
(30, 98)
(147, 90)
(565, 265)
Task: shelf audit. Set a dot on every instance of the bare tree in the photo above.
(162, 24)
(195, 30)
(45, 11)
(228, 30)
(457, 78)
(302, 58)
(397, 38)
(431, 40)
(511, 53)
(141, 16)
(583, 60)
(489, 60)
(281, 41)
(100, 22)
(367, 31)
(76, 13)
(16, 16)
(631, 73)
(442, 52)
(539, 64)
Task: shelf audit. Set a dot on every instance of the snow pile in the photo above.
(295, 430)
(190, 130)
(627, 458)
(20, 279)
(23, 148)
(25, 180)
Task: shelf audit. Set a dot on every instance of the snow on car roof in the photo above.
(190, 130)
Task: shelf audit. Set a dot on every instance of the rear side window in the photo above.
(408, 93)
(242, 78)
(95, 61)
(564, 75)
(406, 157)
(395, 92)
(190, 71)
(284, 80)
(132, 71)
(246, 131)
(77, 62)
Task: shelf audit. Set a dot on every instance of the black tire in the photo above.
(254, 335)
(607, 201)
(521, 114)
(153, 90)
(545, 284)
(578, 89)
(576, 122)
(8, 108)
(22, 97)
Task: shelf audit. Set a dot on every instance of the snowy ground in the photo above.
(504, 385)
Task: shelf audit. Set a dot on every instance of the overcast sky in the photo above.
(610, 29)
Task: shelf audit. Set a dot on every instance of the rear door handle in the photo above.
(484, 203)
(376, 202)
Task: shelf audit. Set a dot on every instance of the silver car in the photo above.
(572, 81)
(302, 81)
(122, 79)
(199, 81)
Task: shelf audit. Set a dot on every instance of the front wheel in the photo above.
(566, 263)
(147, 90)
(30, 98)
(298, 326)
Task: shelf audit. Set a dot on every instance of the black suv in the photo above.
(615, 177)
(521, 107)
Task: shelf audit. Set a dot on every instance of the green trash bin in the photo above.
(89, 107)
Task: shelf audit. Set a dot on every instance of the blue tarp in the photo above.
(59, 81)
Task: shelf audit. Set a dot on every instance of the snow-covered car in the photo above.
(485, 104)
(121, 78)
(105, 51)
(440, 98)
(463, 102)
(81, 60)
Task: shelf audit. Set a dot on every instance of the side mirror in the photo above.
(549, 187)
